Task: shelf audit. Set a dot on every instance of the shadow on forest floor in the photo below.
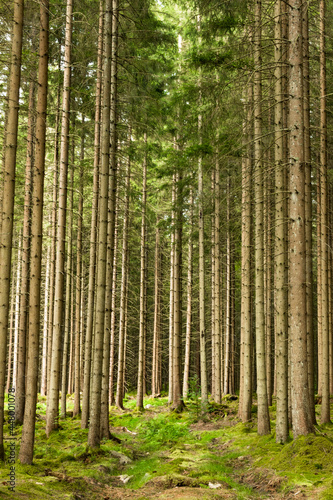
(169, 456)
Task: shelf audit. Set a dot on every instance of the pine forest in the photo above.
(166, 249)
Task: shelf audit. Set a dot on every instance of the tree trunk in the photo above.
(308, 209)
(78, 323)
(21, 361)
(8, 196)
(93, 228)
(52, 412)
(17, 308)
(263, 415)
(189, 301)
(54, 225)
(177, 401)
(28, 430)
(96, 381)
(113, 315)
(171, 298)
(245, 402)
(325, 387)
(156, 380)
(227, 352)
(301, 419)
(201, 228)
(123, 293)
(45, 322)
(140, 384)
(280, 296)
(68, 332)
(217, 289)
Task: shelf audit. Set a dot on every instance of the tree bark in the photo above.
(78, 323)
(140, 384)
(263, 415)
(325, 387)
(8, 196)
(68, 332)
(189, 302)
(52, 412)
(93, 228)
(308, 209)
(123, 294)
(28, 430)
(280, 295)
(245, 403)
(156, 380)
(21, 361)
(94, 434)
(301, 419)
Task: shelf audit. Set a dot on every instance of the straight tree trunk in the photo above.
(171, 299)
(45, 322)
(52, 411)
(301, 418)
(177, 401)
(111, 224)
(11, 340)
(21, 361)
(217, 289)
(78, 324)
(245, 403)
(8, 196)
(17, 308)
(94, 434)
(93, 228)
(28, 430)
(113, 315)
(68, 332)
(189, 301)
(156, 380)
(123, 294)
(325, 387)
(280, 295)
(227, 352)
(54, 224)
(308, 209)
(263, 415)
(140, 384)
(201, 228)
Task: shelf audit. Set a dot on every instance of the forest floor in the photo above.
(168, 456)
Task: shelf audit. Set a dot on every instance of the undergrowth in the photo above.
(172, 449)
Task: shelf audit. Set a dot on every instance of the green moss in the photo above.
(306, 453)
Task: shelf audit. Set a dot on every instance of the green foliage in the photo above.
(164, 430)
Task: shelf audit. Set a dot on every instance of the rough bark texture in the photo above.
(93, 228)
(245, 403)
(280, 296)
(263, 415)
(8, 196)
(123, 296)
(140, 385)
(28, 430)
(96, 380)
(21, 360)
(52, 412)
(301, 420)
(325, 386)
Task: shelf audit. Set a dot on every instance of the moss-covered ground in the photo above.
(168, 455)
